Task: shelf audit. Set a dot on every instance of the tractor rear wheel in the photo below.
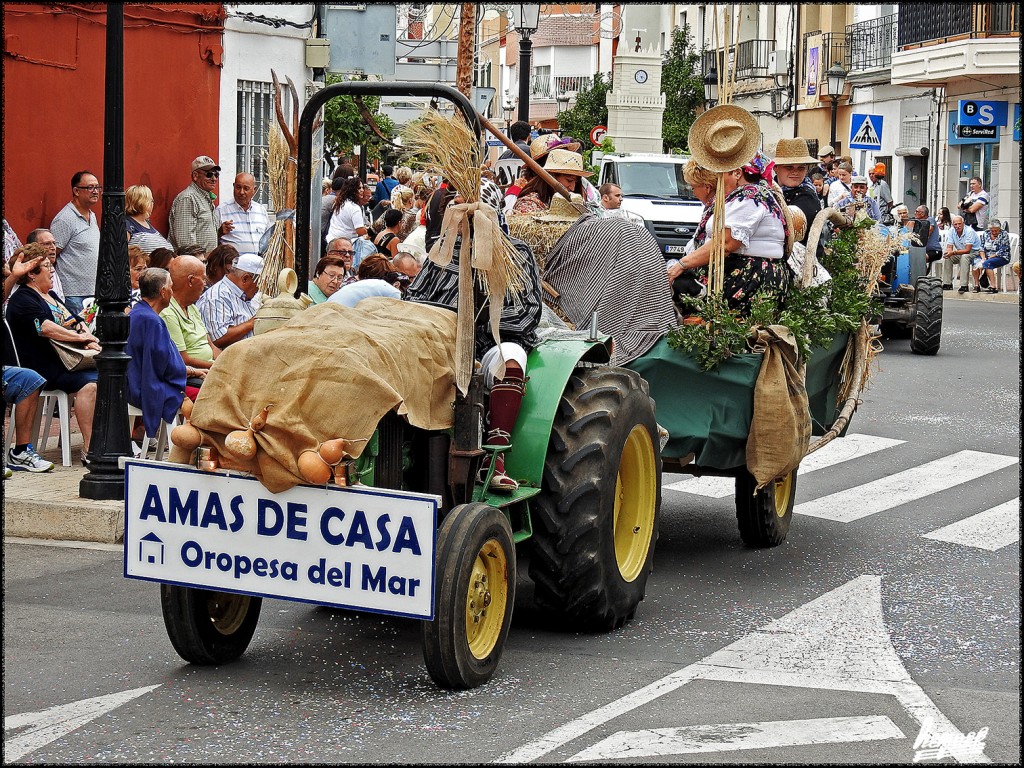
(764, 517)
(208, 627)
(474, 592)
(596, 521)
(927, 331)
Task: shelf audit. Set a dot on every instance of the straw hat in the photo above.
(540, 146)
(564, 210)
(565, 161)
(724, 138)
(793, 152)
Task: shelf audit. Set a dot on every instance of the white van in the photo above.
(654, 190)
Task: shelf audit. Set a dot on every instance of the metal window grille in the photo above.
(255, 116)
(927, 22)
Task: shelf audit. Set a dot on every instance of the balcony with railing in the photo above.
(749, 57)
(941, 22)
(872, 43)
(546, 86)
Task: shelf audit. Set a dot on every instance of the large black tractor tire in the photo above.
(474, 592)
(764, 517)
(208, 627)
(596, 522)
(927, 332)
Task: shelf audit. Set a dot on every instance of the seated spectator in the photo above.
(407, 262)
(225, 307)
(21, 386)
(376, 277)
(161, 258)
(995, 253)
(388, 240)
(193, 250)
(327, 278)
(35, 316)
(156, 372)
(138, 262)
(343, 249)
(219, 261)
(138, 207)
(45, 238)
(840, 186)
(185, 323)
(962, 246)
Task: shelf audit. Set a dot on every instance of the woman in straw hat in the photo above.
(566, 167)
(792, 161)
(722, 140)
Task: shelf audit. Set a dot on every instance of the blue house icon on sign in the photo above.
(151, 549)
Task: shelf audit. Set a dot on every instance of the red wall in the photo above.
(53, 95)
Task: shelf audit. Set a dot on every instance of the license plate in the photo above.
(361, 548)
(675, 249)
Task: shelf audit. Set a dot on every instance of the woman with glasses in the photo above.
(35, 315)
(138, 207)
(328, 277)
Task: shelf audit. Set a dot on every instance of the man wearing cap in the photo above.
(792, 159)
(241, 222)
(225, 306)
(859, 197)
(192, 218)
(879, 190)
(825, 156)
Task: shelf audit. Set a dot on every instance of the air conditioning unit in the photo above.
(778, 63)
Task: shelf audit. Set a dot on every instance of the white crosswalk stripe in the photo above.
(840, 450)
(909, 485)
(990, 530)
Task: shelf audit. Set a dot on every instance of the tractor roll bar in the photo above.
(305, 159)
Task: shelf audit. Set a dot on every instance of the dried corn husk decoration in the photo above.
(280, 252)
(454, 152)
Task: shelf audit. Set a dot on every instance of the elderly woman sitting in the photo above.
(754, 232)
(156, 372)
(995, 253)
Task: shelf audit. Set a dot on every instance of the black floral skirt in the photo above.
(746, 276)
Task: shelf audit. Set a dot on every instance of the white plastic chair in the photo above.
(163, 434)
(1004, 274)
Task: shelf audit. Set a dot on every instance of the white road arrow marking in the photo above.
(55, 722)
(992, 529)
(902, 487)
(836, 452)
(837, 642)
(729, 737)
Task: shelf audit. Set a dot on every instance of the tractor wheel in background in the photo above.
(764, 517)
(596, 522)
(927, 332)
(208, 627)
(474, 592)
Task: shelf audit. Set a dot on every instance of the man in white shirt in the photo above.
(225, 308)
(975, 203)
(611, 201)
(241, 222)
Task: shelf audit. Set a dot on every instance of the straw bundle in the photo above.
(281, 250)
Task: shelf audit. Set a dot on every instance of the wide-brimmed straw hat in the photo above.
(724, 138)
(793, 152)
(565, 161)
(540, 146)
(564, 210)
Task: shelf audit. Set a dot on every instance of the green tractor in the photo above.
(585, 450)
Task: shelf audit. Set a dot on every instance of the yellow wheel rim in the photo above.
(227, 611)
(783, 491)
(636, 497)
(486, 599)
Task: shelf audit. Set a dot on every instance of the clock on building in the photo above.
(641, 76)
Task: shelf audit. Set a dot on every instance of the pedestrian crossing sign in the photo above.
(866, 131)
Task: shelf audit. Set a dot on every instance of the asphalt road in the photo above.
(833, 648)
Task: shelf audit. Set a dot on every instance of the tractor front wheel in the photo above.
(208, 627)
(927, 332)
(474, 593)
(764, 516)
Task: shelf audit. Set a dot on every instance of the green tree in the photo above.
(683, 84)
(590, 109)
(344, 126)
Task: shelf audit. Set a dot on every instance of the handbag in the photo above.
(74, 356)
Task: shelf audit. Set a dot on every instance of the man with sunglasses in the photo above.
(192, 217)
(77, 237)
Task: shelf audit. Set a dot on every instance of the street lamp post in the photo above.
(110, 437)
(508, 106)
(525, 20)
(711, 88)
(563, 105)
(836, 82)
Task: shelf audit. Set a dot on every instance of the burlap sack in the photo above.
(329, 372)
(780, 429)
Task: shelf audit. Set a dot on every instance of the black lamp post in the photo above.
(711, 88)
(563, 105)
(508, 106)
(525, 20)
(110, 437)
(836, 77)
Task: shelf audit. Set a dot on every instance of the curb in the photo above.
(100, 521)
